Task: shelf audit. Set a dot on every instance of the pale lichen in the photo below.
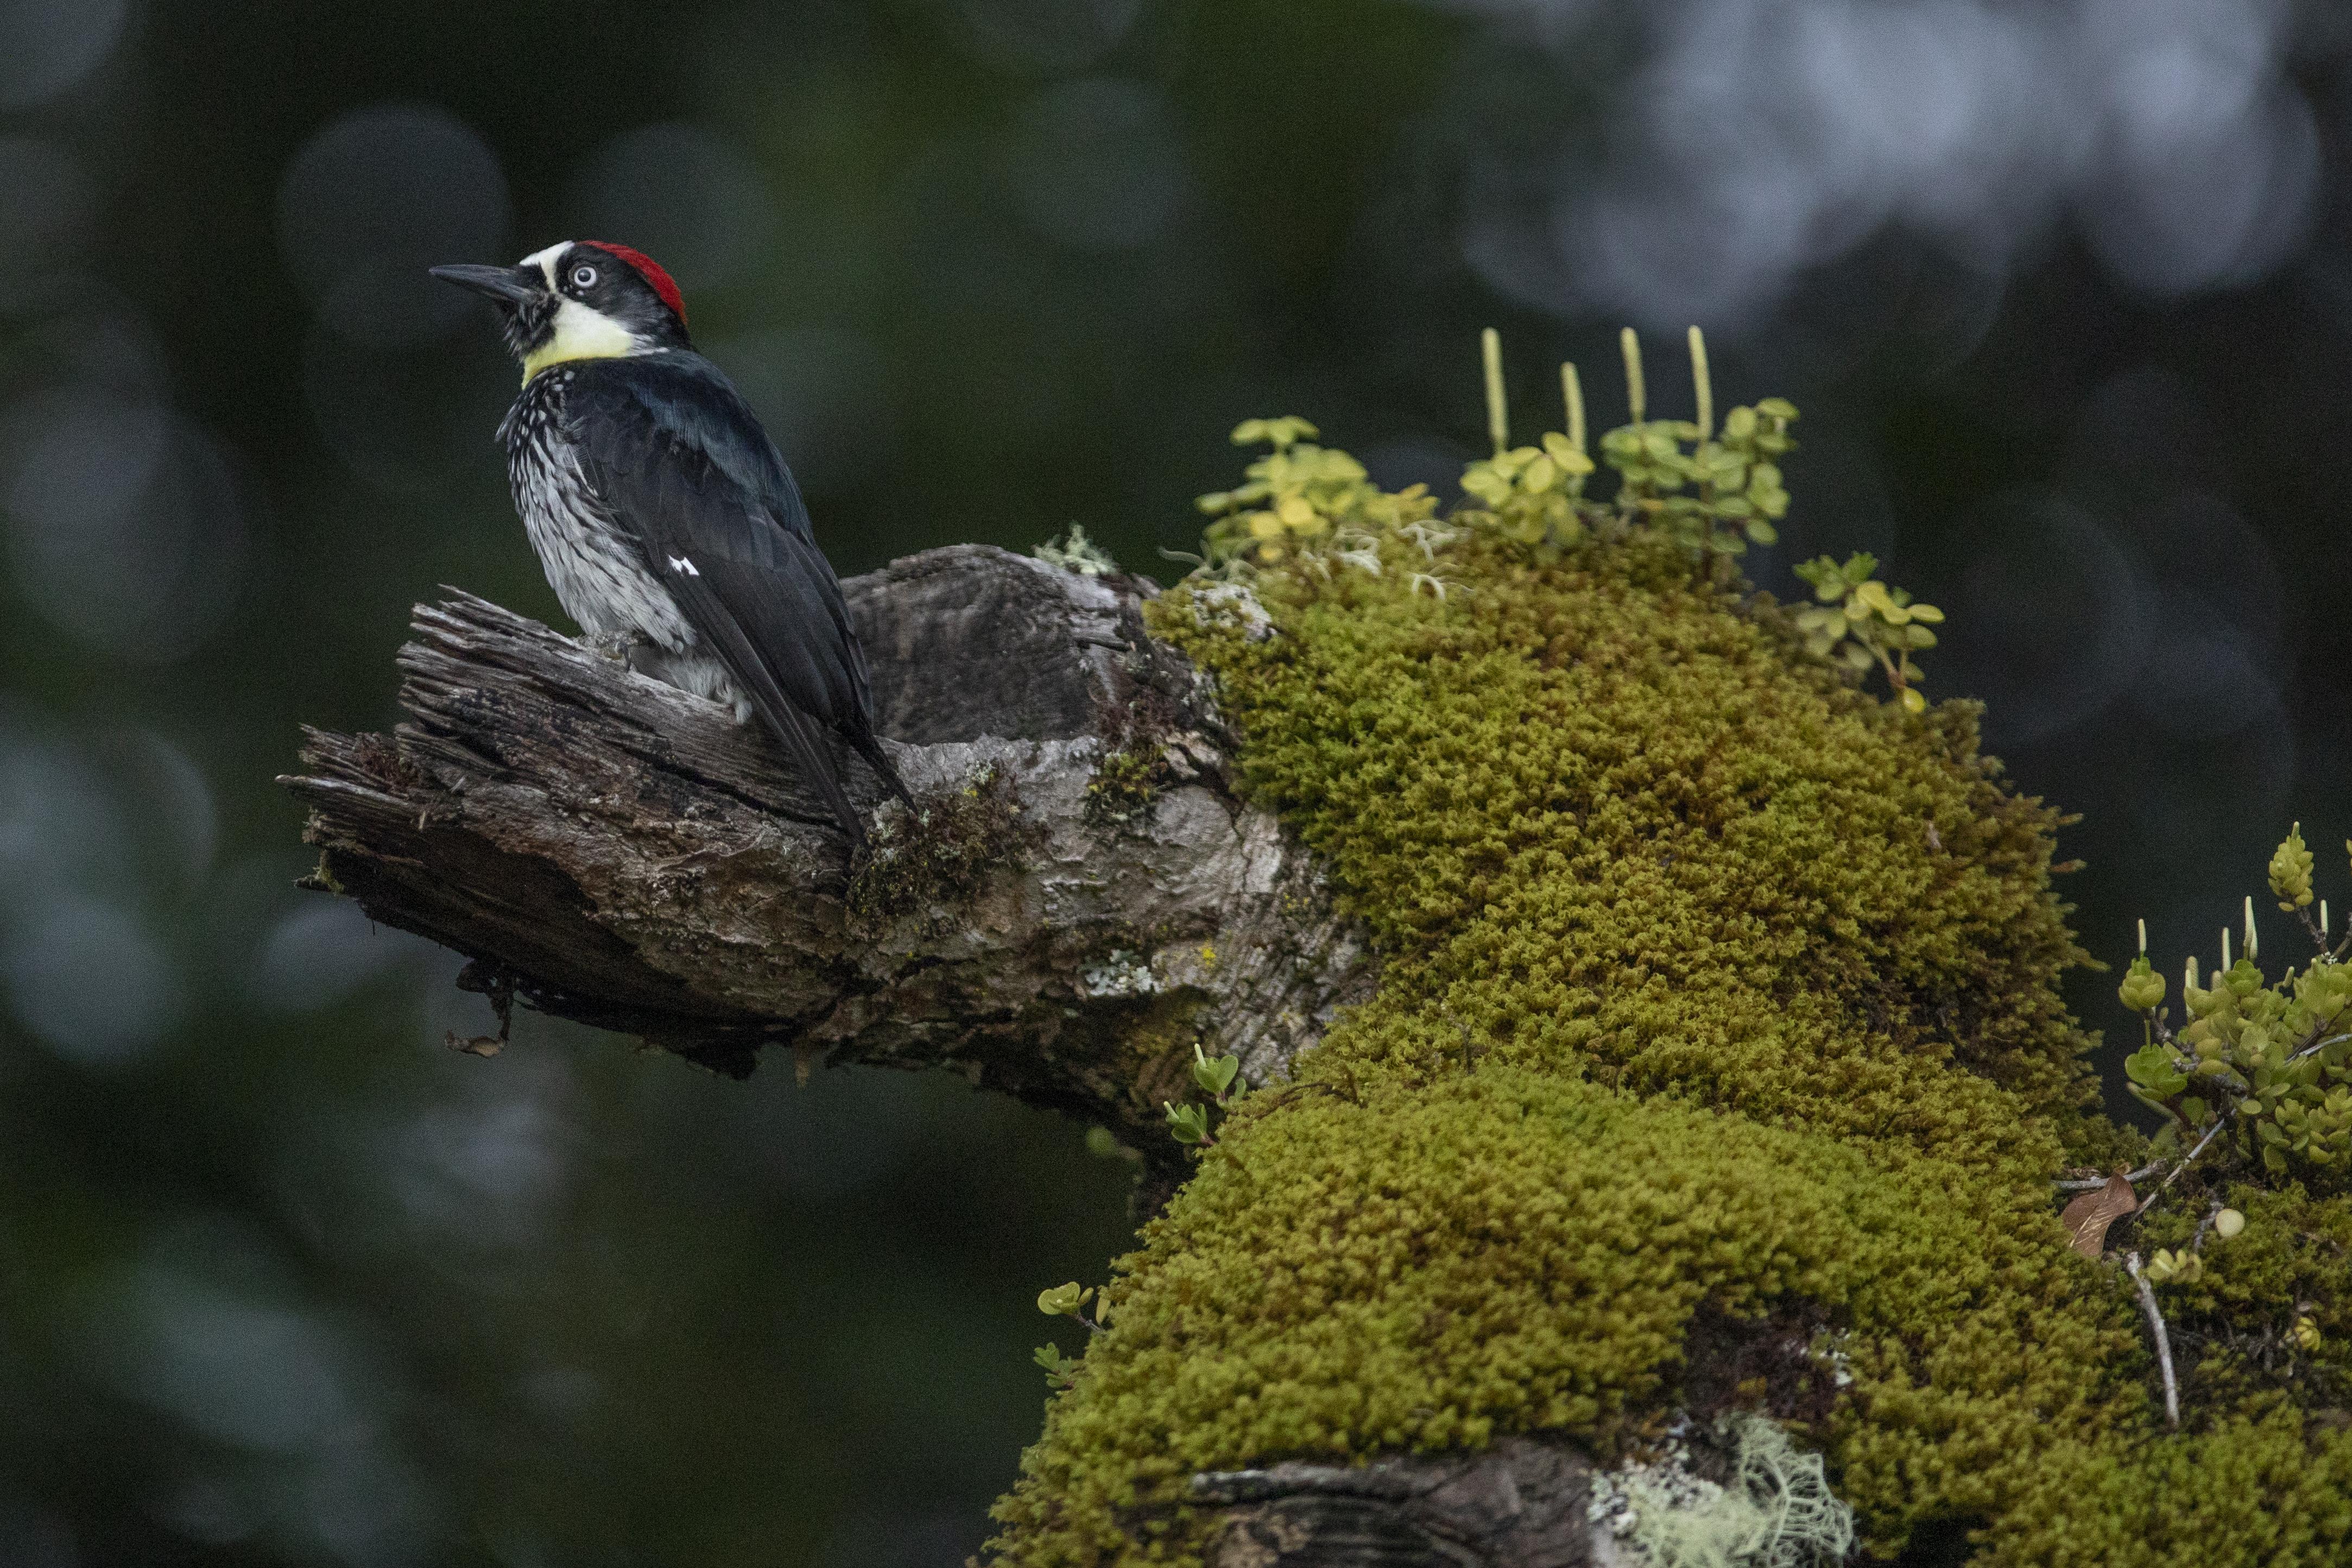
(1121, 974)
(1074, 552)
(1231, 606)
(1774, 1510)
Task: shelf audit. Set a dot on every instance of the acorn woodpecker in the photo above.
(666, 520)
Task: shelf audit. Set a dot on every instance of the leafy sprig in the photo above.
(2261, 1070)
(1068, 1301)
(1714, 492)
(1723, 494)
(1304, 502)
(1860, 621)
(1219, 1077)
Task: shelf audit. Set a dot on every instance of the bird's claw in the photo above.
(614, 645)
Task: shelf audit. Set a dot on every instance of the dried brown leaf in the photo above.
(2087, 1217)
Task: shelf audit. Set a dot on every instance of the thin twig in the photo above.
(2093, 1183)
(2163, 1341)
(2318, 937)
(2213, 1212)
(2190, 1158)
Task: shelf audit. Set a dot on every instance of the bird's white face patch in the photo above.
(580, 331)
(545, 261)
(680, 564)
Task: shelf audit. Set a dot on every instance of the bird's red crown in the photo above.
(650, 270)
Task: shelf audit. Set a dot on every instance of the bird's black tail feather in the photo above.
(805, 741)
(871, 750)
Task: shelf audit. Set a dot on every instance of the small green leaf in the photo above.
(1481, 480)
(2152, 1068)
(1214, 1074)
(1063, 1300)
(1188, 1123)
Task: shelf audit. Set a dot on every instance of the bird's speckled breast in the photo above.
(596, 571)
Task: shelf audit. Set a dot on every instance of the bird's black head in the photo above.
(580, 300)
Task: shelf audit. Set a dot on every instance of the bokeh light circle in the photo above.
(92, 983)
(687, 196)
(376, 198)
(51, 45)
(1097, 163)
(124, 527)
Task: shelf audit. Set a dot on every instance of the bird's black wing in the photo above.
(682, 464)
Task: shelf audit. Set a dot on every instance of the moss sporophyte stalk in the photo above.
(1714, 988)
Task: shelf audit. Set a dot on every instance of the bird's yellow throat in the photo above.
(581, 333)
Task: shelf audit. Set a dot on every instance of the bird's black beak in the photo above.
(510, 286)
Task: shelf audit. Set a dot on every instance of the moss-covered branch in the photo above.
(1679, 1184)
(1716, 991)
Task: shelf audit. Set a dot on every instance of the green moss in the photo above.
(2234, 1326)
(1759, 980)
(1124, 783)
(1614, 825)
(926, 866)
(1511, 1250)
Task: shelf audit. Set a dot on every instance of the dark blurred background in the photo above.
(2064, 291)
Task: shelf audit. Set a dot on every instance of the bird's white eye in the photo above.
(583, 277)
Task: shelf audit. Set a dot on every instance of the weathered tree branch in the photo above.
(1519, 1504)
(1080, 900)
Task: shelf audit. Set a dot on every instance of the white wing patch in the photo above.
(680, 564)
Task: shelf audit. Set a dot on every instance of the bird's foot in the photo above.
(614, 645)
